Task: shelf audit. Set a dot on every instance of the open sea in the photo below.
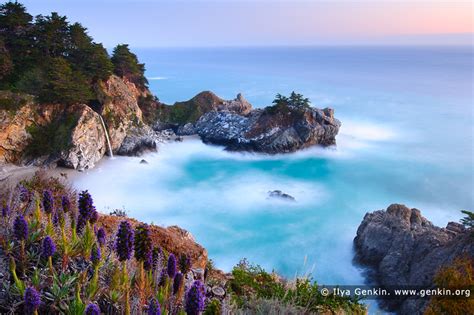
(407, 137)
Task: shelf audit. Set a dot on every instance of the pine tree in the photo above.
(63, 85)
(126, 65)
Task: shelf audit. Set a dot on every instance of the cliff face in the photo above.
(120, 108)
(83, 141)
(401, 247)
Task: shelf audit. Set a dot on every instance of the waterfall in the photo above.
(111, 154)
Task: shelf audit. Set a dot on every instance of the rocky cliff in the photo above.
(269, 130)
(73, 136)
(401, 247)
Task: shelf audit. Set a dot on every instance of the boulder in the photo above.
(138, 141)
(401, 247)
(88, 142)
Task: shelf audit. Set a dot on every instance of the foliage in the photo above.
(52, 138)
(284, 104)
(468, 220)
(458, 275)
(251, 282)
(50, 58)
(126, 65)
(69, 270)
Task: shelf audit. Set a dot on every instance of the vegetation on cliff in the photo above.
(55, 60)
(58, 255)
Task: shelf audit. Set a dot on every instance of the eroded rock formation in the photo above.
(401, 247)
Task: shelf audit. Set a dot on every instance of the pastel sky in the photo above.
(148, 23)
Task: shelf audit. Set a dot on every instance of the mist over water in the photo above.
(406, 137)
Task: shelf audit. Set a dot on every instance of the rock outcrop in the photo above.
(183, 115)
(138, 141)
(120, 108)
(88, 142)
(173, 239)
(270, 130)
(401, 247)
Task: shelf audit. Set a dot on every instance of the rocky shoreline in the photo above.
(128, 121)
(402, 248)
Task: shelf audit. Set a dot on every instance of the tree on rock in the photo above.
(126, 65)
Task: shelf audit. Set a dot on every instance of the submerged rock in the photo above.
(401, 247)
(281, 195)
(144, 162)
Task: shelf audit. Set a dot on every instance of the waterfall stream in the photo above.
(111, 154)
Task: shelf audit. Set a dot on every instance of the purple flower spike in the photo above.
(86, 210)
(24, 193)
(101, 236)
(178, 281)
(92, 309)
(66, 204)
(195, 299)
(148, 262)
(32, 300)
(48, 201)
(142, 243)
(184, 263)
(154, 307)
(48, 247)
(171, 266)
(124, 241)
(95, 254)
(163, 277)
(20, 228)
(5, 211)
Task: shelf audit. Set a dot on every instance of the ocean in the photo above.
(406, 137)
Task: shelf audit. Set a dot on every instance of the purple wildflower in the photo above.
(148, 262)
(184, 263)
(24, 193)
(66, 204)
(92, 309)
(95, 254)
(171, 266)
(32, 300)
(20, 228)
(178, 281)
(163, 277)
(48, 201)
(86, 209)
(101, 236)
(48, 247)
(195, 299)
(142, 242)
(154, 307)
(124, 241)
(5, 211)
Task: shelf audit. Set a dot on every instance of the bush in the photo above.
(252, 283)
(52, 138)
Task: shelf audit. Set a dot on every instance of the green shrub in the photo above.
(51, 138)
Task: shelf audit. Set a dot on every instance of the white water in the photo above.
(111, 154)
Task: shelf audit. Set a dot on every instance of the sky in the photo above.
(191, 23)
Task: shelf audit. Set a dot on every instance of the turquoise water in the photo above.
(407, 137)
